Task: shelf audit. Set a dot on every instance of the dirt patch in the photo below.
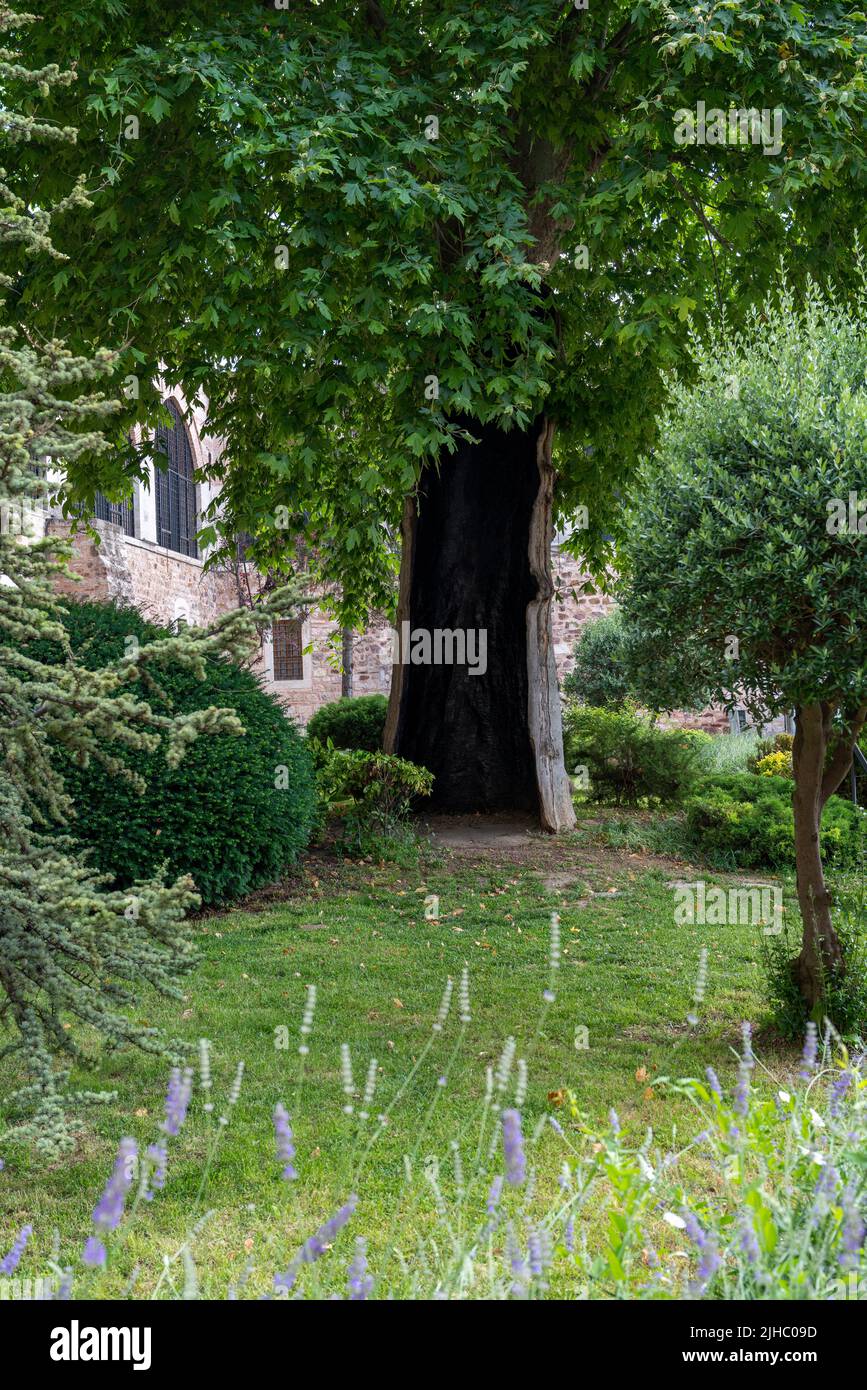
(484, 833)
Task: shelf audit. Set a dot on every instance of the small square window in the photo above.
(288, 650)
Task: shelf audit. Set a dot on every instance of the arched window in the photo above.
(175, 489)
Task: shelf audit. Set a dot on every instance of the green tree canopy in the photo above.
(312, 211)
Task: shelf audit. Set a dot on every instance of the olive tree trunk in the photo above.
(476, 561)
(817, 776)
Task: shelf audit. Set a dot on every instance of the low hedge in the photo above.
(750, 819)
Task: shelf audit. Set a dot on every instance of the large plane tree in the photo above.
(431, 262)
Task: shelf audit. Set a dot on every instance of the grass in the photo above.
(359, 933)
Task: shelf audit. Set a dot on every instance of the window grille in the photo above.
(175, 488)
(288, 650)
(118, 513)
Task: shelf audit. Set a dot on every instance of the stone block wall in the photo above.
(166, 587)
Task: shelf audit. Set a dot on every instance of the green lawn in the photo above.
(358, 932)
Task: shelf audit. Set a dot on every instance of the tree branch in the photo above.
(841, 759)
(704, 219)
(375, 17)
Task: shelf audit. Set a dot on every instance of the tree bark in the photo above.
(476, 559)
(556, 810)
(347, 646)
(821, 952)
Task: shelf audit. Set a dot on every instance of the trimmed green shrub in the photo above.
(749, 820)
(354, 722)
(628, 758)
(236, 811)
(598, 676)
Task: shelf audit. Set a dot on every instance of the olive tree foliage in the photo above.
(746, 554)
(72, 952)
(366, 229)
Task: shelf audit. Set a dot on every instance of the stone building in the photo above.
(147, 555)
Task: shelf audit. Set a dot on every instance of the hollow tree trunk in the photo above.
(821, 951)
(476, 558)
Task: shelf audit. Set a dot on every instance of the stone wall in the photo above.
(166, 587)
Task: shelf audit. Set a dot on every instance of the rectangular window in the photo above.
(118, 513)
(288, 650)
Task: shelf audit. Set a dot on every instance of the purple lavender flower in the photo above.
(811, 1048)
(285, 1145)
(94, 1252)
(177, 1099)
(614, 1121)
(359, 1282)
(555, 1125)
(494, 1195)
(569, 1235)
(286, 1281)
(838, 1091)
(513, 1148)
(694, 1229)
(540, 1251)
(9, 1263)
(713, 1082)
(709, 1260)
(315, 1246)
(109, 1209)
(747, 1239)
(826, 1187)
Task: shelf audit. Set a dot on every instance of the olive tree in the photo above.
(746, 555)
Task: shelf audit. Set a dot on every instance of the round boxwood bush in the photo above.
(354, 722)
(225, 814)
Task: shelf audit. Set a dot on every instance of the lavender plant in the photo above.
(522, 1207)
